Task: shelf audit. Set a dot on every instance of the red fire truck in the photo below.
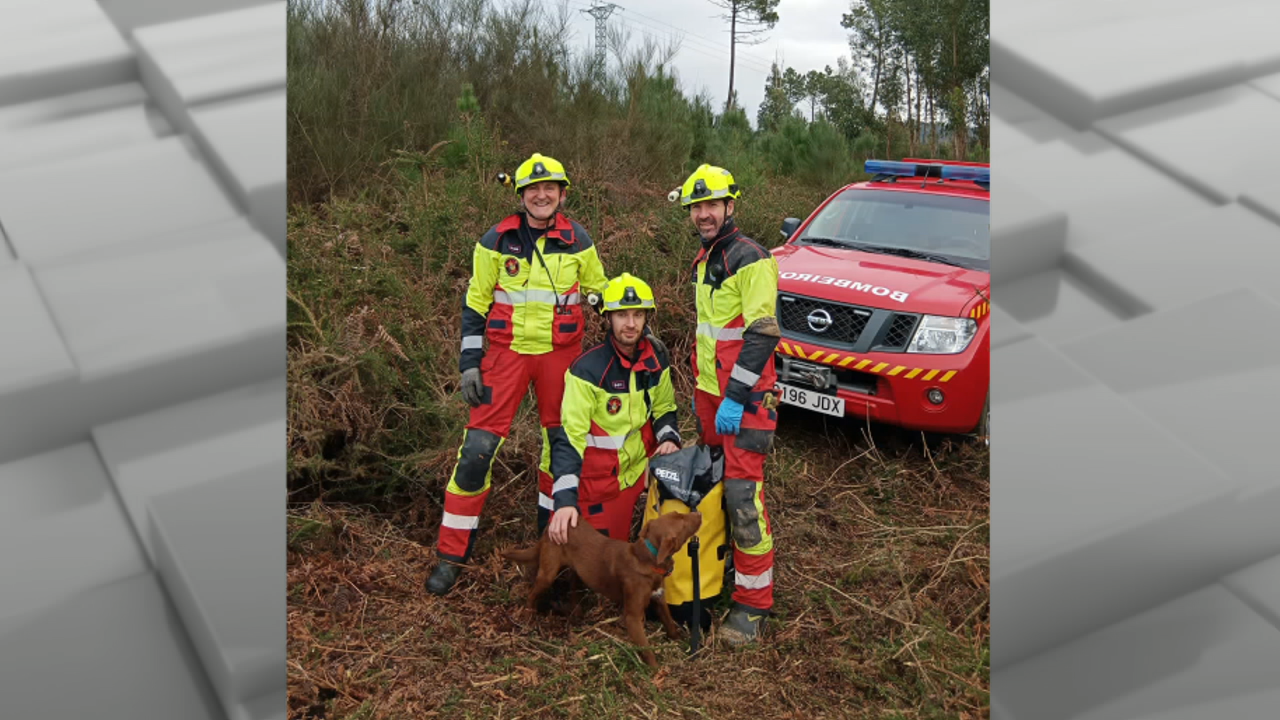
(884, 297)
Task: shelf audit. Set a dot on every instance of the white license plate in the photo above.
(818, 402)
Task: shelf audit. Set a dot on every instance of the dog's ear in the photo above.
(668, 548)
(668, 541)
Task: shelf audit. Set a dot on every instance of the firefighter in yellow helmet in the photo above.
(530, 275)
(619, 409)
(736, 400)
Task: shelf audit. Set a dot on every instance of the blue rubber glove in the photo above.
(729, 417)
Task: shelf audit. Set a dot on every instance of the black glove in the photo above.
(595, 302)
(472, 387)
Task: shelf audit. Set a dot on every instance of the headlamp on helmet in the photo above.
(540, 168)
(708, 183)
(626, 292)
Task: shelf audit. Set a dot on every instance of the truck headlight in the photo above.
(941, 335)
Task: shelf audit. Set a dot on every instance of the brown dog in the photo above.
(630, 574)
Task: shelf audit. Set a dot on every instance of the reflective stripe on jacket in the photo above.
(611, 424)
(517, 301)
(736, 282)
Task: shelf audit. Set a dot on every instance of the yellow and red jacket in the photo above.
(616, 411)
(526, 288)
(736, 282)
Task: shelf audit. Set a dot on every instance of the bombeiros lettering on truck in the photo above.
(884, 299)
(897, 295)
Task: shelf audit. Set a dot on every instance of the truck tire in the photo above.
(983, 429)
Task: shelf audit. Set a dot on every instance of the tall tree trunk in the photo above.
(919, 101)
(911, 140)
(733, 44)
(875, 81)
(962, 129)
(875, 87)
(933, 126)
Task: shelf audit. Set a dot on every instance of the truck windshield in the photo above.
(945, 228)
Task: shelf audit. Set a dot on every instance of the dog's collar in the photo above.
(654, 550)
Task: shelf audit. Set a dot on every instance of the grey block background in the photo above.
(142, 360)
(1135, 391)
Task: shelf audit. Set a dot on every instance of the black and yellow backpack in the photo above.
(690, 479)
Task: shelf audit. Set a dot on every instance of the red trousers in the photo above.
(744, 494)
(506, 376)
(606, 509)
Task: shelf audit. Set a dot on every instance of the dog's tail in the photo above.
(524, 556)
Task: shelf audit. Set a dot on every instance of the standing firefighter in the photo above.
(529, 275)
(736, 399)
(619, 408)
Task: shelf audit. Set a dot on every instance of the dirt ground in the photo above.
(881, 601)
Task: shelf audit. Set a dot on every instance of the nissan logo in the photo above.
(819, 320)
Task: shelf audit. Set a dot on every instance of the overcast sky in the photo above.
(807, 37)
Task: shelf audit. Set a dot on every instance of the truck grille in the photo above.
(852, 327)
(899, 331)
(846, 324)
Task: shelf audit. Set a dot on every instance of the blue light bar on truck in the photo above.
(979, 175)
(900, 169)
(894, 168)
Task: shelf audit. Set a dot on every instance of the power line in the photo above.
(706, 47)
(712, 51)
(713, 54)
(741, 54)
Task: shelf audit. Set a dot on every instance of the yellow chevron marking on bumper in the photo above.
(785, 348)
(897, 370)
(830, 357)
(862, 364)
(879, 367)
(846, 361)
(913, 373)
(948, 376)
(929, 375)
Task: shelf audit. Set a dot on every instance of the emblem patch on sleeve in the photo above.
(513, 267)
(613, 406)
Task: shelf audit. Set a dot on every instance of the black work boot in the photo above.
(443, 578)
(743, 625)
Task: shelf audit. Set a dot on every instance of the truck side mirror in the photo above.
(789, 227)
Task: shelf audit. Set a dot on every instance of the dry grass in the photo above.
(881, 607)
(882, 559)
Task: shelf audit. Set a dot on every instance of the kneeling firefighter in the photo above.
(619, 409)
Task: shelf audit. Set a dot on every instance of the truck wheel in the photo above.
(983, 430)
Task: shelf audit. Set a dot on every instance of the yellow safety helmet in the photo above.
(708, 183)
(540, 168)
(626, 292)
